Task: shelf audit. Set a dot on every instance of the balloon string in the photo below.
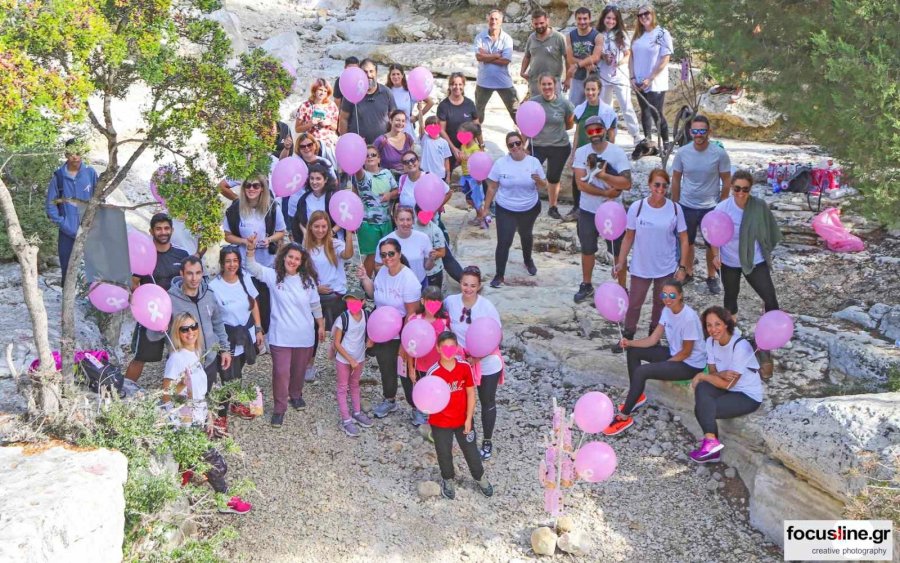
(624, 351)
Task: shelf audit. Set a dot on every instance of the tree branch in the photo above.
(106, 205)
(96, 122)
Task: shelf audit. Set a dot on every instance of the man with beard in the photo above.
(168, 266)
(545, 53)
(368, 118)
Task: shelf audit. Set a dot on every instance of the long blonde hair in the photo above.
(263, 202)
(327, 245)
(177, 322)
(639, 27)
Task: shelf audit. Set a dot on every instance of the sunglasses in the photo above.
(188, 328)
(305, 146)
(409, 161)
(739, 189)
(372, 155)
(664, 295)
(389, 254)
(699, 131)
(254, 186)
(514, 144)
(592, 132)
(466, 316)
(660, 184)
(645, 14)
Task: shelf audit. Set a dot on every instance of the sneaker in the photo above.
(642, 400)
(485, 487)
(619, 424)
(705, 453)
(385, 408)
(298, 404)
(585, 292)
(241, 411)
(220, 426)
(447, 490)
(236, 506)
(476, 222)
(486, 223)
(497, 281)
(350, 429)
(419, 418)
(553, 213)
(571, 216)
(311, 373)
(688, 278)
(277, 420)
(362, 419)
(487, 450)
(532, 269)
(712, 284)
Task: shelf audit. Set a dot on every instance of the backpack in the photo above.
(641, 206)
(345, 322)
(101, 375)
(233, 217)
(763, 357)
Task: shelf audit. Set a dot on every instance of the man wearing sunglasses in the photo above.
(701, 178)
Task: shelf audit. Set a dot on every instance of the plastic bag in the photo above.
(256, 405)
(827, 225)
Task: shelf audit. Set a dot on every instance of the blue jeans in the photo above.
(64, 246)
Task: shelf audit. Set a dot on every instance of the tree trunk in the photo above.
(46, 381)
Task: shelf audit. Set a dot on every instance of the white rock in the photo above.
(879, 310)
(856, 315)
(284, 47)
(231, 25)
(743, 113)
(543, 541)
(890, 323)
(74, 509)
(575, 543)
(565, 524)
(730, 473)
(428, 489)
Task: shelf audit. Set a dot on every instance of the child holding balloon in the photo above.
(350, 343)
(418, 364)
(455, 418)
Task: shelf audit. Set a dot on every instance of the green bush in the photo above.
(27, 178)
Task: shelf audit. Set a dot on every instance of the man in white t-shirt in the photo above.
(701, 178)
(602, 181)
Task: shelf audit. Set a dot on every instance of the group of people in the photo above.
(282, 285)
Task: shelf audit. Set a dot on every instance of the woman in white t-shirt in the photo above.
(651, 49)
(732, 388)
(463, 308)
(296, 323)
(415, 245)
(395, 285)
(650, 230)
(684, 356)
(614, 67)
(328, 254)
(412, 173)
(514, 181)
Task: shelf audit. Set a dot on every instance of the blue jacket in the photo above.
(62, 186)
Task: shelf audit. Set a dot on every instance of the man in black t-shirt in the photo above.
(336, 93)
(368, 118)
(168, 266)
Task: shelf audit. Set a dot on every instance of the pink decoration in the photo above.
(289, 176)
(355, 305)
(346, 210)
(108, 298)
(431, 394)
(480, 164)
(450, 350)
(611, 301)
(433, 130)
(828, 225)
(717, 228)
(483, 336)
(418, 338)
(610, 220)
(464, 137)
(595, 462)
(350, 152)
(425, 216)
(141, 253)
(101, 355)
(530, 117)
(354, 84)
(420, 83)
(429, 192)
(553, 501)
(151, 307)
(593, 412)
(773, 330)
(384, 324)
(433, 306)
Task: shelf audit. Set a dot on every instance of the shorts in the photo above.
(588, 236)
(370, 233)
(556, 158)
(693, 218)
(144, 349)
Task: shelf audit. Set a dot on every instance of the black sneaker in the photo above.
(497, 281)
(298, 404)
(712, 284)
(447, 490)
(485, 487)
(585, 291)
(571, 216)
(532, 269)
(553, 212)
(277, 420)
(617, 348)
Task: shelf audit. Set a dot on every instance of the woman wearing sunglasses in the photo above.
(650, 230)
(462, 309)
(395, 285)
(514, 181)
(681, 360)
(415, 245)
(412, 173)
(651, 49)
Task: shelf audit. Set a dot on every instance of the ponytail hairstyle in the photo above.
(223, 254)
(433, 293)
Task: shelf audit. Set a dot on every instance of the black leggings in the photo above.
(487, 396)
(659, 368)
(648, 117)
(451, 265)
(508, 222)
(263, 300)
(760, 279)
(555, 157)
(711, 403)
(386, 355)
(443, 447)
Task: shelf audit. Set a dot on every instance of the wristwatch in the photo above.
(681, 268)
(258, 328)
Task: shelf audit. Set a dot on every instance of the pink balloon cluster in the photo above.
(431, 394)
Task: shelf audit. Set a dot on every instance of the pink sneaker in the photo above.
(236, 506)
(708, 452)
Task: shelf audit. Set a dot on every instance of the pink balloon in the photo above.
(611, 301)
(354, 84)
(480, 165)
(289, 176)
(384, 324)
(289, 68)
(610, 220)
(594, 412)
(773, 330)
(420, 82)
(141, 253)
(429, 192)
(152, 307)
(595, 462)
(530, 117)
(157, 176)
(346, 210)
(431, 394)
(108, 298)
(350, 152)
(717, 228)
(418, 338)
(483, 337)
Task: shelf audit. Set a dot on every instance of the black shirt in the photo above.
(373, 114)
(168, 266)
(456, 116)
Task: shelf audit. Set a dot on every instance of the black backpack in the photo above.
(345, 322)
(101, 376)
(233, 217)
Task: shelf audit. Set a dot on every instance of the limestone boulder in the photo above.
(284, 47)
(543, 541)
(857, 355)
(575, 543)
(890, 323)
(412, 29)
(61, 504)
(231, 25)
(745, 112)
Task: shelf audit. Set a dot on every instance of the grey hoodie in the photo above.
(206, 311)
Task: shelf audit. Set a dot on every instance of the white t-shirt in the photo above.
(483, 308)
(434, 151)
(353, 339)
(616, 73)
(416, 247)
(233, 303)
(737, 357)
(396, 291)
(684, 326)
(517, 190)
(604, 111)
(653, 254)
(292, 324)
(256, 224)
(331, 275)
(186, 364)
(729, 252)
(436, 236)
(646, 52)
(408, 187)
(616, 159)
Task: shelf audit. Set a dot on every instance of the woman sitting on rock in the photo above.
(679, 361)
(732, 388)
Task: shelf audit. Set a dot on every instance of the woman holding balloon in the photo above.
(551, 144)
(415, 245)
(403, 92)
(651, 225)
